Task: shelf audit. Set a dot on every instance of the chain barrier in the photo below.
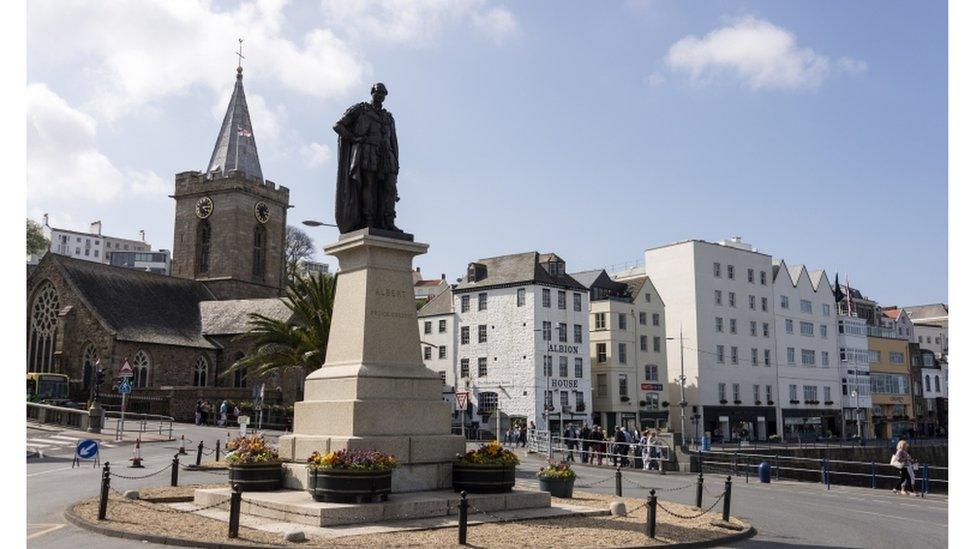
(162, 508)
(474, 510)
(691, 517)
(709, 492)
(629, 513)
(674, 489)
(207, 471)
(208, 452)
(168, 467)
(592, 484)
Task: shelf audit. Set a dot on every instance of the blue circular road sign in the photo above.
(86, 449)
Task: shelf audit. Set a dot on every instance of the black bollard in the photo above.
(103, 497)
(620, 483)
(235, 511)
(463, 519)
(217, 451)
(698, 492)
(727, 504)
(175, 471)
(651, 526)
(199, 453)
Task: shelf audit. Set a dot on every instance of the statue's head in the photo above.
(378, 91)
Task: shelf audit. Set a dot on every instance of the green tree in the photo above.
(298, 247)
(277, 346)
(36, 243)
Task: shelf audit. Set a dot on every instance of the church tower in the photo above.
(230, 222)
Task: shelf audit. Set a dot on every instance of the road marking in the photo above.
(872, 513)
(47, 529)
(49, 471)
(36, 445)
(52, 441)
(68, 439)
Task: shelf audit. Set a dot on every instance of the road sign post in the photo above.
(86, 449)
(461, 399)
(125, 387)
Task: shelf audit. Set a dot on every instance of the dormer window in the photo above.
(477, 272)
(556, 268)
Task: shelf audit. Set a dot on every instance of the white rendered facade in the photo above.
(91, 246)
(855, 372)
(438, 343)
(932, 337)
(806, 353)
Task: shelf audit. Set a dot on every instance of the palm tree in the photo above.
(278, 345)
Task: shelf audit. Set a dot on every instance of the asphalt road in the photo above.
(786, 513)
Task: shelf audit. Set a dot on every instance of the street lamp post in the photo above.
(684, 403)
(314, 223)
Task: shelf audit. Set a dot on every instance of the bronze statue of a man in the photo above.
(366, 193)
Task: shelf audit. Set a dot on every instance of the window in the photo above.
(203, 246)
(578, 399)
(465, 303)
(793, 393)
(601, 385)
(764, 304)
(482, 333)
(465, 370)
(752, 303)
(561, 299)
(240, 374)
(719, 323)
(487, 403)
(643, 343)
(809, 393)
(731, 299)
(578, 367)
(874, 357)
(43, 329)
(825, 359)
(720, 354)
(721, 391)
(600, 321)
(755, 356)
(755, 393)
(622, 321)
(731, 272)
(788, 323)
(827, 393)
(89, 359)
(735, 392)
(548, 399)
(564, 398)
(769, 394)
(577, 302)
(765, 329)
(427, 352)
(790, 355)
(443, 375)
(577, 333)
(483, 301)
(762, 277)
(751, 276)
(766, 360)
(546, 298)
(655, 319)
(642, 318)
(733, 327)
(806, 306)
(601, 353)
(140, 369)
(427, 326)
(200, 372)
(465, 335)
(657, 344)
(547, 365)
(561, 331)
(718, 297)
(563, 366)
(442, 352)
(546, 330)
(622, 384)
(482, 366)
(259, 252)
(808, 357)
(622, 353)
(651, 372)
(734, 354)
(752, 328)
(895, 357)
(806, 328)
(826, 309)
(717, 270)
(823, 331)
(96, 253)
(520, 297)
(441, 326)
(937, 388)
(784, 302)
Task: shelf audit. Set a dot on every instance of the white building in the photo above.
(307, 267)
(720, 296)
(427, 289)
(154, 262)
(93, 245)
(438, 338)
(522, 342)
(855, 372)
(627, 351)
(807, 361)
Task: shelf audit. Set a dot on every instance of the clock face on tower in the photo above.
(262, 212)
(204, 207)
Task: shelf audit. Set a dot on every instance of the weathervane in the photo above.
(240, 52)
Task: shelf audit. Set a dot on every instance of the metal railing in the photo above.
(596, 452)
(139, 424)
(58, 415)
(800, 443)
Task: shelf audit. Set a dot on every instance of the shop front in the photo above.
(727, 423)
(808, 425)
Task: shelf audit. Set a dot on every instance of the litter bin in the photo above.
(765, 471)
(706, 443)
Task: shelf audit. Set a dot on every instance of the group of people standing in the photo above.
(205, 409)
(595, 444)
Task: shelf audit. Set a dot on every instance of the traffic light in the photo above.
(100, 379)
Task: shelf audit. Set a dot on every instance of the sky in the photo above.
(815, 131)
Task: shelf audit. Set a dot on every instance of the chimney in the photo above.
(96, 228)
(443, 276)
(142, 235)
(45, 221)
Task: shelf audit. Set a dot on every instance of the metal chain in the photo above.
(475, 510)
(709, 492)
(675, 489)
(137, 477)
(629, 513)
(164, 509)
(595, 483)
(676, 515)
(208, 471)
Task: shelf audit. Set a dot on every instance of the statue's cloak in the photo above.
(348, 211)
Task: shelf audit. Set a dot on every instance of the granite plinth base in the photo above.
(410, 477)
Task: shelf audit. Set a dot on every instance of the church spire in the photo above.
(235, 148)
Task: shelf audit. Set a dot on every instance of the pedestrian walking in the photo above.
(198, 414)
(569, 439)
(223, 413)
(902, 461)
(585, 435)
(598, 437)
(645, 449)
(523, 435)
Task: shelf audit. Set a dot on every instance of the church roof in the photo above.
(235, 148)
(231, 317)
(138, 305)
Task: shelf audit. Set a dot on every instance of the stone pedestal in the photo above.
(374, 392)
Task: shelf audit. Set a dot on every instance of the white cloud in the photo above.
(758, 52)
(853, 66)
(64, 163)
(654, 80)
(498, 23)
(315, 154)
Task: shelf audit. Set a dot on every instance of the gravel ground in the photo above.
(596, 531)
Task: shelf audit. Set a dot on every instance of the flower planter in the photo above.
(557, 487)
(483, 479)
(348, 486)
(256, 477)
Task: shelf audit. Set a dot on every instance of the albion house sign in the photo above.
(564, 383)
(558, 348)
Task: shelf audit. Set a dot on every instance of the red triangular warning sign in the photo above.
(126, 370)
